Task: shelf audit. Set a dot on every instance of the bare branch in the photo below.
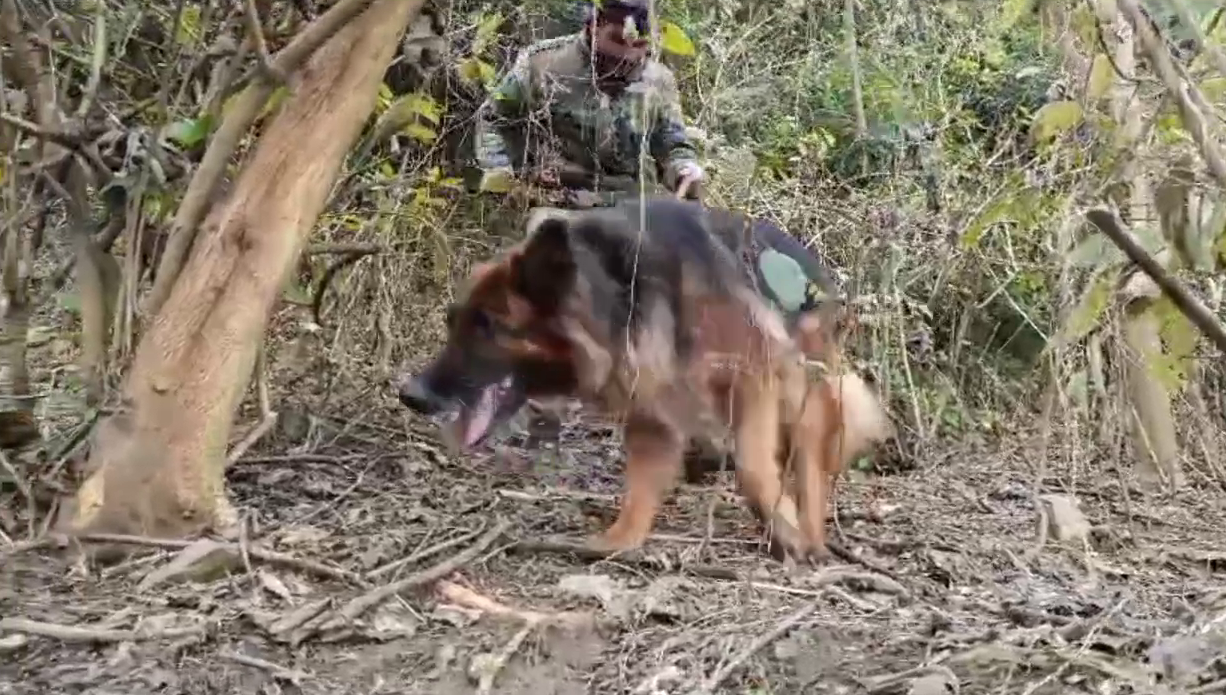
(256, 30)
(95, 66)
(204, 183)
(1186, 95)
(1111, 226)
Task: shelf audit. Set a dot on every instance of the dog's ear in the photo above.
(545, 269)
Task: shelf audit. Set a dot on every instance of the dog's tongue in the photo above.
(482, 414)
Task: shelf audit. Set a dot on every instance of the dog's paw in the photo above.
(615, 541)
(818, 554)
(785, 542)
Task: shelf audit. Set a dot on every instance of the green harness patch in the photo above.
(785, 280)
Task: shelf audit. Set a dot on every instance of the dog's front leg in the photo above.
(815, 436)
(654, 451)
(757, 464)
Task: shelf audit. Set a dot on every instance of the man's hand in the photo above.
(689, 181)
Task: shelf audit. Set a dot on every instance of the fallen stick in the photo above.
(422, 554)
(261, 429)
(467, 598)
(780, 629)
(633, 557)
(74, 633)
(843, 553)
(272, 557)
(365, 602)
(275, 670)
(485, 685)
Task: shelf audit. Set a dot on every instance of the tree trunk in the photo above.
(18, 426)
(158, 464)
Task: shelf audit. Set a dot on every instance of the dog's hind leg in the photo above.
(757, 463)
(654, 451)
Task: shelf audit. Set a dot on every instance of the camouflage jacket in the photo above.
(547, 113)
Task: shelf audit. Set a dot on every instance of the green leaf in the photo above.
(1102, 75)
(496, 181)
(1085, 316)
(190, 132)
(1213, 88)
(1055, 118)
(274, 100)
(188, 34)
(420, 132)
(487, 31)
(473, 70)
(1178, 332)
(416, 104)
(70, 302)
(993, 213)
(674, 40)
(384, 100)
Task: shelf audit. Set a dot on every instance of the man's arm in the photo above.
(506, 103)
(667, 141)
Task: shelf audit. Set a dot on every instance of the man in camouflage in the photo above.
(579, 112)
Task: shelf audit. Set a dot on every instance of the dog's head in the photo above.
(507, 339)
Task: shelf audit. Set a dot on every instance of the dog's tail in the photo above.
(865, 421)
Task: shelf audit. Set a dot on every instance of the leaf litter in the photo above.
(957, 579)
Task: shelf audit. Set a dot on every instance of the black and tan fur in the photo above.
(663, 327)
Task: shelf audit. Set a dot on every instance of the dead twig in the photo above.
(463, 596)
(336, 249)
(365, 602)
(781, 628)
(466, 597)
(584, 552)
(312, 567)
(27, 491)
(881, 684)
(275, 670)
(350, 257)
(843, 553)
(98, 59)
(78, 634)
(268, 416)
(486, 683)
(256, 28)
(423, 554)
(251, 438)
(874, 582)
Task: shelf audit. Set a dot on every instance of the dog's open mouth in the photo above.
(473, 422)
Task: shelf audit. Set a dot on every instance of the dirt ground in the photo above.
(951, 593)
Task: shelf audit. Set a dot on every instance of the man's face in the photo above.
(620, 37)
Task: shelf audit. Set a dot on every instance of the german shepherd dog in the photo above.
(644, 311)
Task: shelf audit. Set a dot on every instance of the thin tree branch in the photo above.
(204, 183)
(1111, 226)
(1186, 95)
